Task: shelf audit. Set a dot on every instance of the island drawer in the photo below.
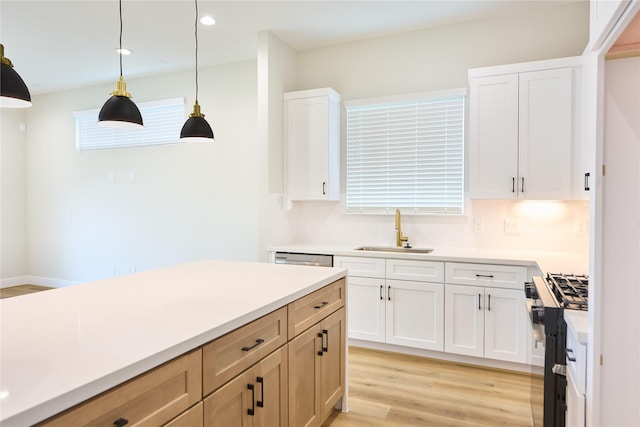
(495, 276)
(152, 398)
(194, 417)
(309, 310)
(229, 355)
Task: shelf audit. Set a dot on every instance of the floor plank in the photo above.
(390, 389)
(14, 291)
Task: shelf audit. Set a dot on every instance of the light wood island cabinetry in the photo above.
(286, 368)
(151, 399)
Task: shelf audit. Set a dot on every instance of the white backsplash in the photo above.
(541, 226)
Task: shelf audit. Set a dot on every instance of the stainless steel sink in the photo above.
(395, 249)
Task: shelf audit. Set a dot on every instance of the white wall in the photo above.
(13, 203)
(434, 59)
(186, 202)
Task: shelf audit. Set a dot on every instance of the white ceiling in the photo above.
(56, 45)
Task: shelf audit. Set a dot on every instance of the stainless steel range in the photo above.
(549, 296)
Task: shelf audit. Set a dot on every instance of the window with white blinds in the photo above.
(162, 119)
(406, 152)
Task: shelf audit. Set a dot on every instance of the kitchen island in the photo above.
(64, 346)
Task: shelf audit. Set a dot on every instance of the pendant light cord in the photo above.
(120, 51)
(196, 32)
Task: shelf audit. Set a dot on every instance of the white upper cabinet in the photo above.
(493, 148)
(312, 144)
(522, 142)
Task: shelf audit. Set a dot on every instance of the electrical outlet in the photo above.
(511, 226)
(478, 225)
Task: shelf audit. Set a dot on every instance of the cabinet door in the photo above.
(270, 377)
(332, 369)
(576, 407)
(415, 316)
(464, 320)
(493, 144)
(506, 323)
(304, 378)
(366, 309)
(545, 110)
(229, 406)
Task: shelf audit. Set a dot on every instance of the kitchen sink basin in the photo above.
(394, 249)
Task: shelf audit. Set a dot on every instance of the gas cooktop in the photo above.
(570, 290)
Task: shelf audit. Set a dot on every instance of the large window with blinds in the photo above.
(406, 152)
(162, 119)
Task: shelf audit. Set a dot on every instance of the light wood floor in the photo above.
(389, 389)
(14, 291)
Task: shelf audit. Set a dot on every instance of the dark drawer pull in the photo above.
(488, 276)
(321, 305)
(260, 403)
(252, 411)
(257, 343)
(321, 352)
(569, 358)
(121, 422)
(325, 347)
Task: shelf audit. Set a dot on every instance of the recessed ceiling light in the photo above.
(207, 20)
(124, 51)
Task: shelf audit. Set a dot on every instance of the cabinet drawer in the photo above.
(229, 355)
(362, 267)
(194, 417)
(421, 271)
(150, 399)
(314, 307)
(497, 276)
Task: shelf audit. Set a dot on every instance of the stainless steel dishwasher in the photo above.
(297, 258)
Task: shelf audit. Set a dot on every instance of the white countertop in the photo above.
(578, 321)
(556, 262)
(62, 346)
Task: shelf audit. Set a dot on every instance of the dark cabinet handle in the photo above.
(569, 358)
(381, 297)
(479, 307)
(252, 411)
(586, 181)
(513, 184)
(324, 186)
(325, 347)
(389, 292)
(489, 303)
(317, 307)
(488, 276)
(260, 403)
(522, 187)
(257, 343)
(320, 353)
(121, 422)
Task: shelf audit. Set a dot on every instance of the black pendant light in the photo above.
(120, 112)
(196, 128)
(13, 91)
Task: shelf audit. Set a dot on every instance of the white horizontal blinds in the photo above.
(162, 123)
(406, 153)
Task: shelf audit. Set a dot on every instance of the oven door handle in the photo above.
(559, 369)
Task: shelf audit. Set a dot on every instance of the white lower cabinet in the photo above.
(486, 322)
(463, 308)
(415, 315)
(575, 416)
(401, 312)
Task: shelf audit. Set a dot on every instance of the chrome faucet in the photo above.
(399, 237)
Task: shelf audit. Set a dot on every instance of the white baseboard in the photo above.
(511, 366)
(36, 280)
(48, 281)
(13, 281)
